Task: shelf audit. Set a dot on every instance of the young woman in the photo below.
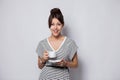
(64, 48)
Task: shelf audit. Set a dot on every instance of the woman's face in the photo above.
(56, 27)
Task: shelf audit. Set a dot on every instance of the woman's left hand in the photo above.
(71, 64)
(62, 63)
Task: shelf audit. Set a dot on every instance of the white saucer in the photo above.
(54, 61)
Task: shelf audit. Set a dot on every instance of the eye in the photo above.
(58, 24)
(52, 24)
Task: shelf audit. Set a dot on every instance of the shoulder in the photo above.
(41, 42)
(70, 41)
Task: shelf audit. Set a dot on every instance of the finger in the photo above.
(62, 60)
(46, 54)
(45, 51)
(47, 57)
(57, 63)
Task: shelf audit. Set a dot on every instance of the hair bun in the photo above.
(55, 10)
(55, 13)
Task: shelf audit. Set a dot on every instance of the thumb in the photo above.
(45, 51)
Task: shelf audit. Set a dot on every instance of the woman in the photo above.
(65, 49)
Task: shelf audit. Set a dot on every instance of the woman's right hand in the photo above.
(42, 60)
(45, 56)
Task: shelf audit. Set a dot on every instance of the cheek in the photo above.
(60, 28)
(51, 28)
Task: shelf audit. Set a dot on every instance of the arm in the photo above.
(42, 60)
(71, 64)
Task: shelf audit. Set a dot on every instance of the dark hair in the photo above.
(55, 13)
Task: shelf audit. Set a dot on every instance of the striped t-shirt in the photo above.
(66, 51)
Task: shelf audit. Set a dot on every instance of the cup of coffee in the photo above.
(51, 54)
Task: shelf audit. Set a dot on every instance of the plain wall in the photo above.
(93, 24)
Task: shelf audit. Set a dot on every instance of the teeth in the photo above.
(55, 31)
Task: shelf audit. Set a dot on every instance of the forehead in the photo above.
(55, 20)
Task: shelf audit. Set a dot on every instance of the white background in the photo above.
(93, 24)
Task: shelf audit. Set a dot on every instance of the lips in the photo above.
(55, 31)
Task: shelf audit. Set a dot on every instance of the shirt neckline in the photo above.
(59, 46)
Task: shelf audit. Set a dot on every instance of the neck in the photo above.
(56, 37)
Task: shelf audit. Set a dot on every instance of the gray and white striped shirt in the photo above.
(66, 51)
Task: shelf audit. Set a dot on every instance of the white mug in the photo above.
(51, 54)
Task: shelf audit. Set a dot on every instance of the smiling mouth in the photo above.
(56, 31)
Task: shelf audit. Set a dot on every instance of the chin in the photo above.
(56, 35)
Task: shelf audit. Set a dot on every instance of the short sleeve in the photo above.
(73, 50)
(40, 49)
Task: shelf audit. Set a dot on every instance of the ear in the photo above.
(62, 25)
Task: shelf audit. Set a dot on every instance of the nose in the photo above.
(56, 26)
